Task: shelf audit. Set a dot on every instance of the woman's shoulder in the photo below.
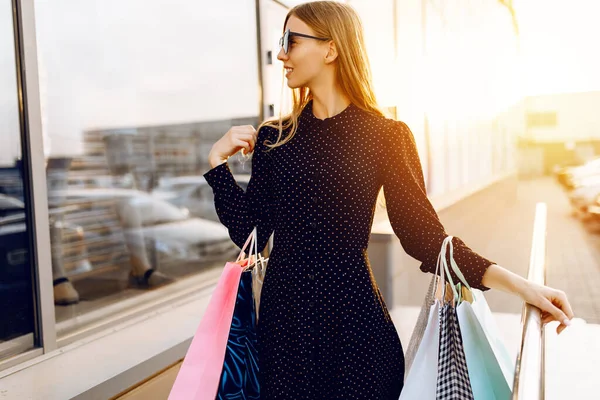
(269, 134)
(268, 130)
(390, 128)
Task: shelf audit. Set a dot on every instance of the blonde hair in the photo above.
(341, 23)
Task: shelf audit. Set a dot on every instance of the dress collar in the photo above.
(310, 117)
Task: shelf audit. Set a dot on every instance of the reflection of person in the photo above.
(325, 331)
(64, 292)
(142, 273)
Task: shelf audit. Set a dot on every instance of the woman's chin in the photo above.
(293, 84)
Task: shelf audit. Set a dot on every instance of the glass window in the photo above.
(133, 98)
(16, 294)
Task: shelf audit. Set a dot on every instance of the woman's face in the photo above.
(305, 59)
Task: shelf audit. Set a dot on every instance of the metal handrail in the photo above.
(528, 382)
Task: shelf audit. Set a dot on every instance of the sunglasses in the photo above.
(284, 42)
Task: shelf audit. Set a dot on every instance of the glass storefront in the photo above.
(133, 97)
(16, 274)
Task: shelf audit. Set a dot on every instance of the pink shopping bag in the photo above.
(199, 375)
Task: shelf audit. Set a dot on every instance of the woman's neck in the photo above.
(328, 103)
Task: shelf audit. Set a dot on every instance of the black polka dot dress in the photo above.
(324, 331)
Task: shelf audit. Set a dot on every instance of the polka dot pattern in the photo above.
(325, 332)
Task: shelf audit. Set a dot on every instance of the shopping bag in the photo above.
(199, 375)
(202, 369)
(421, 359)
(258, 275)
(488, 323)
(485, 373)
(423, 321)
(490, 368)
(239, 377)
(420, 379)
(453, 382)
(453, 375)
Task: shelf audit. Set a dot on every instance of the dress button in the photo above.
(315, 199)
(313, 224)
(311, 304)
(311, 329)
(311, 276)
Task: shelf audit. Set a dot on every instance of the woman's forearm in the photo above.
(499, 278)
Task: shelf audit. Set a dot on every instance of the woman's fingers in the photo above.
(240, 137)
(546, 317)
(560, 328)
(561, 301)
(244, 143)
(555, 307)
(248, 139)
(556, 312)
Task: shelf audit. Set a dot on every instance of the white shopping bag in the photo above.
(421, 380)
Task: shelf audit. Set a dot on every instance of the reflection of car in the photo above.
(193, 193)
(14, 253)
(150, 223)
(74, 259)
(15, 272)
(100, 181)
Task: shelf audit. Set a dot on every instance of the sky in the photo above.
(560, 45)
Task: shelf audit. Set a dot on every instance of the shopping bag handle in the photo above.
(442, 265)
(250, 240)
(455, 268)
(253, 241)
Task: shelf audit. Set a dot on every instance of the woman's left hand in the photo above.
(552, 302)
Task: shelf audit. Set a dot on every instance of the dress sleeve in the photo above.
(238, 210)
(413, 218)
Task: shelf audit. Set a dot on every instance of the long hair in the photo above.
(341, 23)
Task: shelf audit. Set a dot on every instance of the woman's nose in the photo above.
(281, 56)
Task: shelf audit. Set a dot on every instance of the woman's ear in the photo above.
(331, 53)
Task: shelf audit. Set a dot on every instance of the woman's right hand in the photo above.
(237, 138)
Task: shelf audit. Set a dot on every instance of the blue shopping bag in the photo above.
(485, 372)
(239, 377)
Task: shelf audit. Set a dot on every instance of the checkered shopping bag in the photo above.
(453, 376)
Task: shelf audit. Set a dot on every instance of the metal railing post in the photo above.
(529, 372)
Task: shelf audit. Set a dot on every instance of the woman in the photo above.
(325, 332)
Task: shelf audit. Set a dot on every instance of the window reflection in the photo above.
(127, 138)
